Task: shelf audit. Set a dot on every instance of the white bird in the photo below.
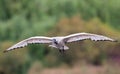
(59, 42)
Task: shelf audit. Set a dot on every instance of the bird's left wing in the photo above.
(37, 39)
(83, 36)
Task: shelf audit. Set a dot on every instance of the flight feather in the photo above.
(83, 36)
(31, 40)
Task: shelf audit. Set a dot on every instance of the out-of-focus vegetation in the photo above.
(20, 19)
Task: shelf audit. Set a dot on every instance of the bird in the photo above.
(59, 42)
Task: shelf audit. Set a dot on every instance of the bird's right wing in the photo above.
(37, 39)
(83, 36)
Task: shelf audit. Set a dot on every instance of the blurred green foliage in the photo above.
(20, 19)
(23, 15)
(35, 10)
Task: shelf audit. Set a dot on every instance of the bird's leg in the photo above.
(61, 50)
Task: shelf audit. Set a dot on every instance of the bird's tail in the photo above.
(66, 47)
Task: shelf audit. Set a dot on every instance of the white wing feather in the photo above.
(83, 36)
(37, 39)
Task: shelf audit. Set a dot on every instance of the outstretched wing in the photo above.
(37, 39)
(83, 36)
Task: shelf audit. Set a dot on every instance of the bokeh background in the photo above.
(21, 19)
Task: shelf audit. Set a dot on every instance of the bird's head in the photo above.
(55, 41)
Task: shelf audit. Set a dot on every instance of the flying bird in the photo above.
(59, 42)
